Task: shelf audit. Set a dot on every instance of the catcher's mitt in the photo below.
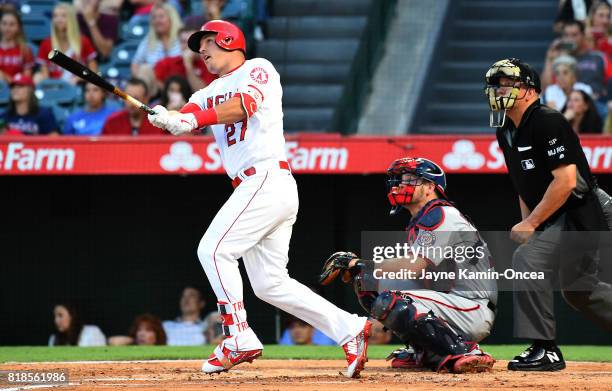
(337, 263)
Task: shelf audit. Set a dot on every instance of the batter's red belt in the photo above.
(252, 171)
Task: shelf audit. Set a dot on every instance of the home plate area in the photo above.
(305, 375)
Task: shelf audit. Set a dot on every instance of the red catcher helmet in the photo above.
(228, 36)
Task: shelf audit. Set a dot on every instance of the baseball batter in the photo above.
(440, 325)
(244, 108)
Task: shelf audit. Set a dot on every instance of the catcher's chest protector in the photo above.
(430, 217)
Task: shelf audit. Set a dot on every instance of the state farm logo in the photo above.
(464, 154)
(299, 158)
(181, 156)
(259, 75)
(18, 157)
(316, 158)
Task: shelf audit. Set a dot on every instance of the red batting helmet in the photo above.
(228, 36)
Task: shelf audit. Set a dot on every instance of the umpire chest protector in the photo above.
(544, 141)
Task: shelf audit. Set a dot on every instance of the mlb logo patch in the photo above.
(527, 164)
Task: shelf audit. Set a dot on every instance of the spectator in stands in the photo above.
(582, 113)
(161, 41)
(189, 64)
(70, 330)
(214, 9)
(66, 37)
(598, 23)
(244, 13)
(142, 8)
(187, 329)
(132, 120)
(556, 94)
(207, 10)
(175, 93)
(591, 65)
(90, 120)
(146, 329)
(598, 33)
(108, 7)
(214, 328)
(299, 332)
(15, 54)
(378, 334)
(10, 5)
(571, 10)
(24, 115)
(102, 29)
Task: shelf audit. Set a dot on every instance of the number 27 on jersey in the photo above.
(230, 132)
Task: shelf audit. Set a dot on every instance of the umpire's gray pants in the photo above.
(548, 251)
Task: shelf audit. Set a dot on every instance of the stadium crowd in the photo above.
(577, 72)
(140, 45)
(190, 328)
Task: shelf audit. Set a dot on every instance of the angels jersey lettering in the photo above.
(253, 139)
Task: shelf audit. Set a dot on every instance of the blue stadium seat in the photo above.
(61, 113)
(33, 8)
(43, 3)
(34, 48)
(36, 27)
(116, 73)
(5, 95)
(56, 92)
(135, 30)
(123, 53)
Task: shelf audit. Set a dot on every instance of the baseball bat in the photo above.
(90, 76)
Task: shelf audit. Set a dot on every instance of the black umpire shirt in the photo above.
(543, 141)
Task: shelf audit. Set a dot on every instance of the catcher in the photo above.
(440, 326)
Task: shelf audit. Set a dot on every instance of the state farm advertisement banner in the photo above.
(310, 154)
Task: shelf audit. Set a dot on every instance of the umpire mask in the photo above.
(502, 97)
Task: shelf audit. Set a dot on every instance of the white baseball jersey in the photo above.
(259, 137)
(256, 222)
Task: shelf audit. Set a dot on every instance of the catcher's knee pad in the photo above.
(398, 313)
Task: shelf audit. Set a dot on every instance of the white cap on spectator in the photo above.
(564, 60)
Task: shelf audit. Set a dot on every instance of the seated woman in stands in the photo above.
(162, 41)
(582, 114)
(70, 330)
(564, 68)
(15, 54)
(146, 329)
(24, 115)
(65, 36)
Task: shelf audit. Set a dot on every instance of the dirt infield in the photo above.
(268, 375)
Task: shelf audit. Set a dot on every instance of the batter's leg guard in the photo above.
(443, 345)
(223, 358)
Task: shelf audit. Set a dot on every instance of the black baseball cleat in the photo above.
(538, 358)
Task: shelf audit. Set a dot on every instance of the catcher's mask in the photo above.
(400, 191)
(502, 97)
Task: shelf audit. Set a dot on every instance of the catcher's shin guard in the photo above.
(398, 313)
(366, 298)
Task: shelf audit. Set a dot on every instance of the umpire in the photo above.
(556, 194)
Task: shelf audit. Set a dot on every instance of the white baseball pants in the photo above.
(256, 224)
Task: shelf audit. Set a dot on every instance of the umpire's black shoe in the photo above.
(538, 358)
